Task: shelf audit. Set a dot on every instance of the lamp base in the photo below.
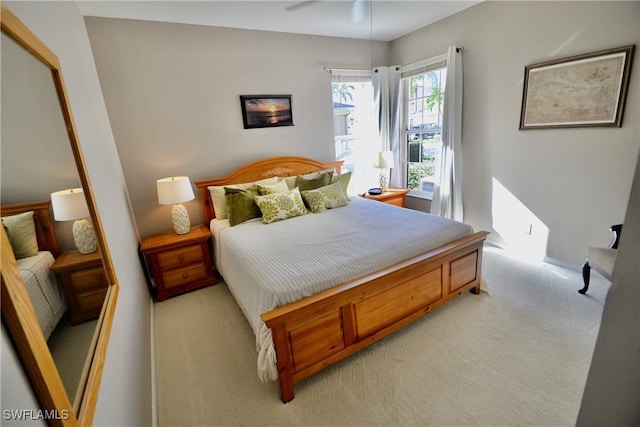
(84, 236)
(180, 218)
(383, 181)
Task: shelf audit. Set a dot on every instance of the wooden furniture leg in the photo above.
(285, 370)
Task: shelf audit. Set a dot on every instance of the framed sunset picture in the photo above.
(260, 111)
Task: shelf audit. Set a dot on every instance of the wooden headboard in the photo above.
(275, 166)
(45, 232)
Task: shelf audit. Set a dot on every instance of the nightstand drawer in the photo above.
(88, 280)
(179, 257)
(85, 283)
(92, 302)
(178, 263)
(180, 276)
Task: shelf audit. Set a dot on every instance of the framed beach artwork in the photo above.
(580, 91)
(259, 111)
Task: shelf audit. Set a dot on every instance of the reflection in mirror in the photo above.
(70, 205)
(65, 277)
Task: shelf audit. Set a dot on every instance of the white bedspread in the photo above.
(47, 296)
(266, 266)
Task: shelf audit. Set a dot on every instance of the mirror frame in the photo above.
(17, 311)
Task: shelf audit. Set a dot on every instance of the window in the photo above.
(353, 124)
(423, 89)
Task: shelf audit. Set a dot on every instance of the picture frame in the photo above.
(260, 111)
(580, 91)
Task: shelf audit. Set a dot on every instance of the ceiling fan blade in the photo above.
(300, 5)
(358, 10)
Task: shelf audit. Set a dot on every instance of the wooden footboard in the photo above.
(320, 330)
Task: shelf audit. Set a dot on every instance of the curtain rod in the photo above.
(409, 66)
(348, 70)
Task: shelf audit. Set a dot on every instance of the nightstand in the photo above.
(179, 262)
(393, 196)
(85, 283)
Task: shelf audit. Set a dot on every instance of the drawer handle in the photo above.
(181, 257)
(185, 275)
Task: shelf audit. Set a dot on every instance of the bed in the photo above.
(47, 296)
(320, 286)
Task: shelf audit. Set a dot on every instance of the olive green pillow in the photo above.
(327, 197)
(291, 180)
(344, 182)
(279, 206)
(279, 187)
(241, 205)
(21, 231)
(218, 195)
(304, 183)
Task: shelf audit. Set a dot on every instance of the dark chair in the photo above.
(601, 259)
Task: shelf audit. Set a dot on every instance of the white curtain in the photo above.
(447, 192)
(386, 92)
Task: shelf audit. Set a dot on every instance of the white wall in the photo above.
(612, 393)
(172, 92)
(126, 394)
(575, 182)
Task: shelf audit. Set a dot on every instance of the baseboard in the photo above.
(545, 259)
(563, 264)
(154, 393)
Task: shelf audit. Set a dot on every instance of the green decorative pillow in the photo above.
(218, 194)
(241, 206)
(279, 206)
(291, 180)
(344, 182)
(279, 187)
(21, 231)
(305, 183)
(327, 197)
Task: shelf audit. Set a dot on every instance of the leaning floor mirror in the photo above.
(58, 286)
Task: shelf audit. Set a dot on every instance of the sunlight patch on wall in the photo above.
(523, 232)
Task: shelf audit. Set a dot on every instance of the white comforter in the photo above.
(266, 266)
(47, 296)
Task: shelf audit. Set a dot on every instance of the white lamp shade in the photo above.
(385, 159)
(69, 204)
(176, 189)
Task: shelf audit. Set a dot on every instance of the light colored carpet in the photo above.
(70, 346)
(518, 356)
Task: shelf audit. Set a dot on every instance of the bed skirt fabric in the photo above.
(47, 296)
(267, 266)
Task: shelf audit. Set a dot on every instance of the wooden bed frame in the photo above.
(45, 232)
(318, 331)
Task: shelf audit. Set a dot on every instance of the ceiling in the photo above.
(390, 20)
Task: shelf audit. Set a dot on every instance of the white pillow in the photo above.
(219, 201)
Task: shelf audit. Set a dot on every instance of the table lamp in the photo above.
(69, 205)
(174, 191)
(385, 162)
